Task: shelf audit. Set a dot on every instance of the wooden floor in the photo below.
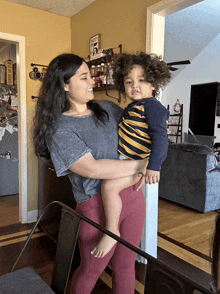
(185, 233)
(9, 210)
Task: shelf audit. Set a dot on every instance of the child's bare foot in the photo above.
(104, 246)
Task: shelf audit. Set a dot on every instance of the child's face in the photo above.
(136, 87)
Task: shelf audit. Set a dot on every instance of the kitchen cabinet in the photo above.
(52, 188)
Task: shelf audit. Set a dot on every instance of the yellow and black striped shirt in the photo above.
(143, 130)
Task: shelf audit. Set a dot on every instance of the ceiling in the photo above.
(65, 8)
(189, 31)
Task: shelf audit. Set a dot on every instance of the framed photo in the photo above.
(94, 44)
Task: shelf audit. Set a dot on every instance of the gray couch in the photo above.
(190, 176)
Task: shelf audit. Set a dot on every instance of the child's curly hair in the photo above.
(156, 70)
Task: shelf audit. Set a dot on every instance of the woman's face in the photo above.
(80, 87)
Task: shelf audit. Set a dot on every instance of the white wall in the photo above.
(204, 68)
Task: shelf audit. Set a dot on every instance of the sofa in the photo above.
(190, 176)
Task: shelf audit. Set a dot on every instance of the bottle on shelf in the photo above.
(102, 67)
(93, 74)
(98, 81)
(101, 75)
(104, 82)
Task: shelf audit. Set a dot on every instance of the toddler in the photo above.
(142, 131)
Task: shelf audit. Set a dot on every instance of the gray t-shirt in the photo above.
(77, 136)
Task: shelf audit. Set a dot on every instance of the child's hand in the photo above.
(152, 176)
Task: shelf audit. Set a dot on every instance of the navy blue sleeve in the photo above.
(156, 118)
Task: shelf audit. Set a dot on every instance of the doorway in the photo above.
(155, 43)
(155, 24)
(155, 31)
(19, 41)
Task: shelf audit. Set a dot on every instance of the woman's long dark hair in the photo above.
(53, 101)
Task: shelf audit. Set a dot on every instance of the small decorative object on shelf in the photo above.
(177, 107)
(95, 47)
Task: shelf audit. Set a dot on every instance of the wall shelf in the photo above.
(98, 60)
(104, 88)
(109, 57)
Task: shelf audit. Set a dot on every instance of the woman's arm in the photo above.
(91, 168)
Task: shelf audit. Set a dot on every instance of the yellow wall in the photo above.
(118, 22)
(46, 35)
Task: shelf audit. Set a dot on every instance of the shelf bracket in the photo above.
(118, 99)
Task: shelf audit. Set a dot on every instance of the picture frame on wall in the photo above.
(94, 44)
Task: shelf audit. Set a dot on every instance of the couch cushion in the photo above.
(183, 178)
(191, 147)
(190, 176)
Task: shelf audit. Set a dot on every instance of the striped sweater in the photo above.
(143, 132)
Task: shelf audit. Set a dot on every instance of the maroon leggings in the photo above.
(131, 225)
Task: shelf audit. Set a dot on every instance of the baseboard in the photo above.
(32, 216)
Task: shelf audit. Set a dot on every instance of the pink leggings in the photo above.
(123, 259)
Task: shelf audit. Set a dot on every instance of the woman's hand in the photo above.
(143, 173)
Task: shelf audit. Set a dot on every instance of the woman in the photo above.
(81, 137)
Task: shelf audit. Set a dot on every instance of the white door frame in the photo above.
(155, 44)
(156, 22)
(22, 121)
